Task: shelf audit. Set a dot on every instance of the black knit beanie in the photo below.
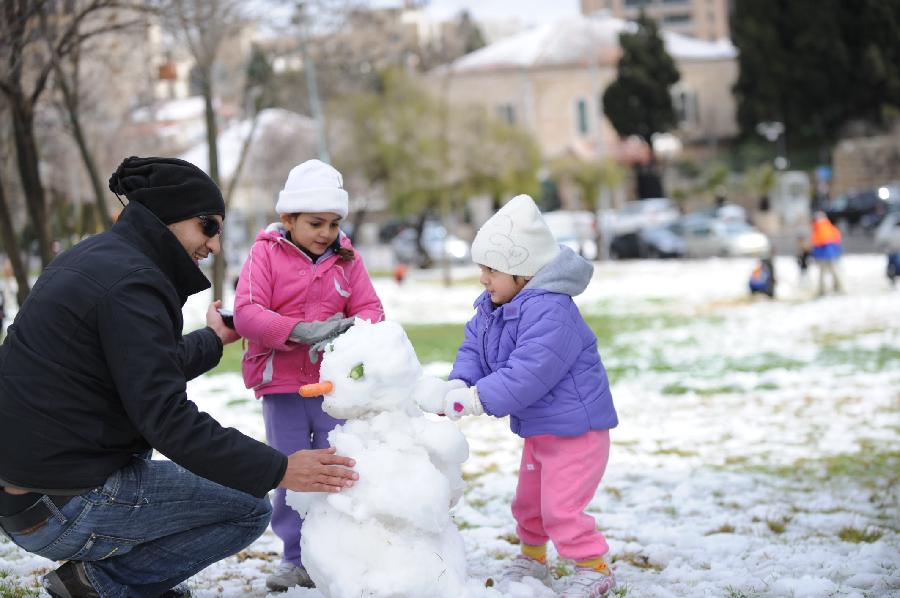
(172, 189)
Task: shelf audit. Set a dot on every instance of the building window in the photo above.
(677, 19)
(581, 117)
(507, 112)
(636, 3)
(674, 1)
(684, 101)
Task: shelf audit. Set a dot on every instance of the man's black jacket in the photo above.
(94, 369)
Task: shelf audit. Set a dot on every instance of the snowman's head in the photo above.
(372, 368)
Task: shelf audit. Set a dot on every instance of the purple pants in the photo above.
(293, 423)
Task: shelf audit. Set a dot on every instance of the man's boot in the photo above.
(69, 581)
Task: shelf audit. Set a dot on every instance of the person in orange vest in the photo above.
(826, 250)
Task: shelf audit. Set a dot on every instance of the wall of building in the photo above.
(866, 162)
(703, 19)
(546, 102)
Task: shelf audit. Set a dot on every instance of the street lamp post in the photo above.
(774, 131)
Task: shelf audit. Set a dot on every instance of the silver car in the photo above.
(707, 237)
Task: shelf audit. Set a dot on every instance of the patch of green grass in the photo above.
(435, 342)
(620, 591)
(236, 402)
(857, 536)
(511, 539)
(733, 592)
(675, 451)
(9, 587)
(231, 359)
(763, 362)
(884, 358)
(561, 569)
(677, 388)
(641, 561)
(778, 526)
(725, 528)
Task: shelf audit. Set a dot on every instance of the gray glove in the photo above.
(318, 334)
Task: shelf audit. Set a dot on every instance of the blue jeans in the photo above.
(151, 526)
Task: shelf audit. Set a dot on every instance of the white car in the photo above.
(887, 235)
(706, 237)
(576, 229)
(640, 214)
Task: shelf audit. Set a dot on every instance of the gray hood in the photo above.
(567, 273)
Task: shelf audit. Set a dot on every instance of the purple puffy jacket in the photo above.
(535, 358)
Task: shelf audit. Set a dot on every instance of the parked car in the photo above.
(865, 209)
(436, 242)
(576, 229)
(707, 237)
(659, 242)
(887, 235)
(640, 214)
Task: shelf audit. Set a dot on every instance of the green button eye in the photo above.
(357, 372)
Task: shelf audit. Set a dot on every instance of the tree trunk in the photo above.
(71, 103)
(27, 159)
(12, 249)
(212, 144)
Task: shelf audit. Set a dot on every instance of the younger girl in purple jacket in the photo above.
(529, 354)
(302, 285)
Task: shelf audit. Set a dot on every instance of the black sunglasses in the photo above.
(210, 226)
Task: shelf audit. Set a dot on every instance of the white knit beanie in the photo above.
(515, 240)
(313, 186)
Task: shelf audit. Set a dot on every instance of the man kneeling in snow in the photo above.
(93, 375)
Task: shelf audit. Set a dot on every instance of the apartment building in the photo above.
(703, 19)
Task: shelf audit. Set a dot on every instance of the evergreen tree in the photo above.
(638, 102)
(469, 32)
(816, 65)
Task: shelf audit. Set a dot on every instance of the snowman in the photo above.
(390, 534)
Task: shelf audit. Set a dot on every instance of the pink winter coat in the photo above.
(281, 286)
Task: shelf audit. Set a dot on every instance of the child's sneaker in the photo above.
(522, 567)
(589, 583)
(288, 575)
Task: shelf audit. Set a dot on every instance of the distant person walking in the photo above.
(826, 250)
(803, 256)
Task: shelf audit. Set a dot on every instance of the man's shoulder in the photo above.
(105, 258)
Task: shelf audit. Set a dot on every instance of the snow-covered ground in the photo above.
(758, 452)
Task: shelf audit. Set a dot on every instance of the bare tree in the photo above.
(34, 35)
(203, 26)
(9, 245)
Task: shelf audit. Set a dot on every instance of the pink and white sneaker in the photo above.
(588, 583)
(522, 567)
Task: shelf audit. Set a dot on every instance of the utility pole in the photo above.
(312, 88)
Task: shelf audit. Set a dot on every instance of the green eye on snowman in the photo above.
(357, 372)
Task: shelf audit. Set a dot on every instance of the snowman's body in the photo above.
(389, 535)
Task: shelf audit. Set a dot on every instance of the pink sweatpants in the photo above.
(557, 479)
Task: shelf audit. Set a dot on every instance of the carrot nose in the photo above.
(313, 390)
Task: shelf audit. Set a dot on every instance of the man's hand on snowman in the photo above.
(429, 393)
(462, 401)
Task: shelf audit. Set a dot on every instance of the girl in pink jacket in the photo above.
(301, 286)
